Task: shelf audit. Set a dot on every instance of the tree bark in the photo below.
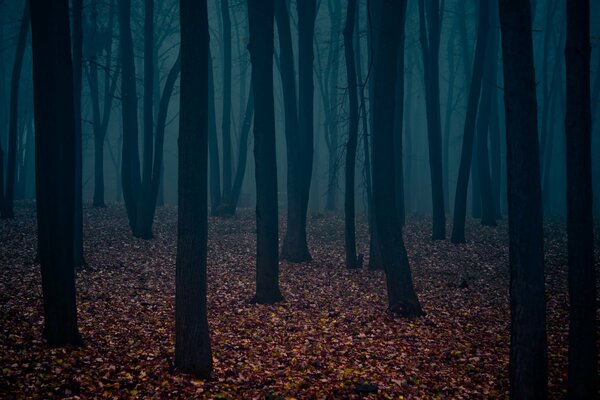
(55, 166)
(583, 350)
(352, 261)
(462, 183)
(260, 17)
(430, 32)
(528, 361)
(192, 341)
(295, 247)
(11, 164)
(401, 295)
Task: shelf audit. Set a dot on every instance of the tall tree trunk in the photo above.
(583, 350)
(130, 161)
(213, 144)
(226, 117)
(488, 217)
(430, 30)
(399, 120)
(290, 106)
(242, 155)
(143, 225)
(78, 258)
(528, 361)
(352, 261)
(260, 17)
(55, 166)
(11, 164)
(192, 340)
(401, 294)
(462, 183)
(495, 146)
(295, 247)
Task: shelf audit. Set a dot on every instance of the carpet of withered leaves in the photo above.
(330, 338)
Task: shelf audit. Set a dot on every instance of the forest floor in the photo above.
(330, 338)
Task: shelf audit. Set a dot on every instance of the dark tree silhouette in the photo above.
(583, 351)
(528, 369)
(261, 21)
(430, 17)
(192, 341)
(226, 114)
(352, 261)
(295, 247)
(77, 12)
(462, 183)
(55, 166)
(401, 294)
(7, 197)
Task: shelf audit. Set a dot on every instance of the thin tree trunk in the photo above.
(295, 247)
(528, 361)
(192, 341)
(11, 164)
(583, 350)
(460, 201)
(55, 173)
(430, 31)
(261, 16)
(352, 261)
(226, 117)
(130, 161)
(78, 258)
(213, 144)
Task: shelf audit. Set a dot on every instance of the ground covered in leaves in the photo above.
(331, 337)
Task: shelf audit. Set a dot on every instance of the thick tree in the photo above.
(462, 183)
(261, 21)
(401, 294)
(295, 247)
(6, 205)
(583, 351)
(430, 17)
(528, 365)
(54, 112)
(192, 340)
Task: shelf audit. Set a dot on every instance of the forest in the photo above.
(299, 199)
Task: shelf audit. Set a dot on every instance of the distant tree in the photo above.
(462, 183)
(295, 247)
(352, 261)
(7, 197)
(226, 110)
(77, 42)
(430, 17)
(401, 294)
(192, 342)
(261, 21)
(55, 166)
(213, 144)
(100, 42)
(140, 192)
(583, 350)
(528, 368)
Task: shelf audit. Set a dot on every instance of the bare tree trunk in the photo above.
(401, 294)
(528, 361)
(11, 164)
(460, 202)
(583, 350)
(55, 161)
(261, 16)
(192, 341)
(226, 117)
(430, 17)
